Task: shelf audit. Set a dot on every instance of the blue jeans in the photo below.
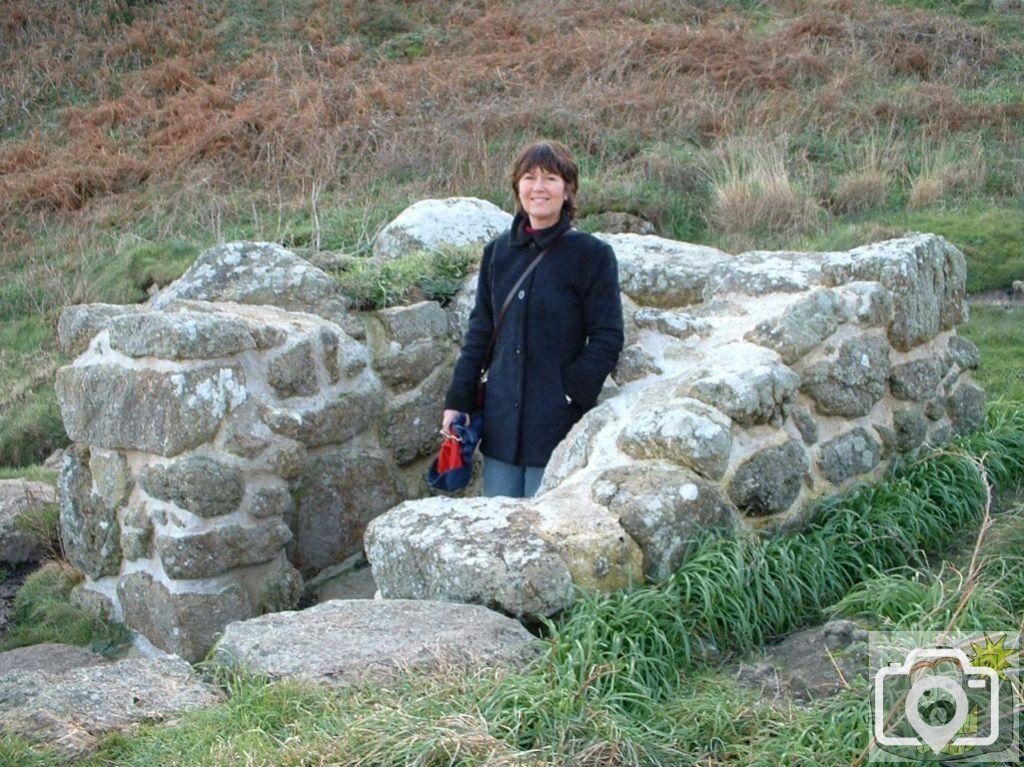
(502, 478)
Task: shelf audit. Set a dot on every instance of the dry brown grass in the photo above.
(947, 172)
(755, 195)
(166, 98)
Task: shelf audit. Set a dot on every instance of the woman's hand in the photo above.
(447, 420)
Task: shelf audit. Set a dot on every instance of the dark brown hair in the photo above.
(553, 157)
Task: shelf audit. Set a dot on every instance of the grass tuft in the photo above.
(435, 275)
(44, 612)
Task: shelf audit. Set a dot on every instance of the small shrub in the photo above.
(424, 275)
(948, 172)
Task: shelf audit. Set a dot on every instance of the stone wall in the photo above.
(244, 429)
(751, 386)
(225, 448)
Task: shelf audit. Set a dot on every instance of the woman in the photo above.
(561, 334)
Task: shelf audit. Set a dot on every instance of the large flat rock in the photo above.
(72, 709)
(359, 641)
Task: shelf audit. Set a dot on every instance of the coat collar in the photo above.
(543, 237)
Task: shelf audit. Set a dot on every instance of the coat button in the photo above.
(522, 294)
(519, 350)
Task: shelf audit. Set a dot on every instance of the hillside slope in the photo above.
(134, 133)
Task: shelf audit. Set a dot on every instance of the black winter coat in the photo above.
(562, 336)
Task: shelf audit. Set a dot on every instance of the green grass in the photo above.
(33, 429)
(18, 752)
(435, 275)
(997, 332)
(30, 473)
(43, 612)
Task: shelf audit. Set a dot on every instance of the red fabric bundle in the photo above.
(450, 456)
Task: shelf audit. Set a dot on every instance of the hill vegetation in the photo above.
(135, 133)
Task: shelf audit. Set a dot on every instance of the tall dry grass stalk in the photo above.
(947, 170)
(866, 185)
(754, 195)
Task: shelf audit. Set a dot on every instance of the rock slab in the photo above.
(360, 641)
(72, 710)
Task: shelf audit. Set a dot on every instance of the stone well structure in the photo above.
(241, 431)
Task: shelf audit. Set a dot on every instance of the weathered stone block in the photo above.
(635, 363)
(270, 501)
(89, 528)
(804, 421)
(925, 274)
(675, 324)
(335, 422)
(292, 372)
(80, 323)
(910, 428)
(427, 224)
(183, 623)
(245, 433)
(963, 353)
(479, 550)
(199, 484)
(851, 384)
(867, 304)
(770, 480)
(276, 586)
(803, 326)
(574, 451)
(408, 342)
(72, 709)
(966, 406)
(746, 382)
(848, 455)
(137, 533)
(111, 477)
(330, 345)
(409, 426)
(663, 508)
(206, 553)
(162, 412)
(259, 273)
(180, 335)
(340, 491)
(917, 380)
(375, 642)
(758, 273)
(654, 271)
(685, 432)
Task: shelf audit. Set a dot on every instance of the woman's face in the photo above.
(541, 195)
